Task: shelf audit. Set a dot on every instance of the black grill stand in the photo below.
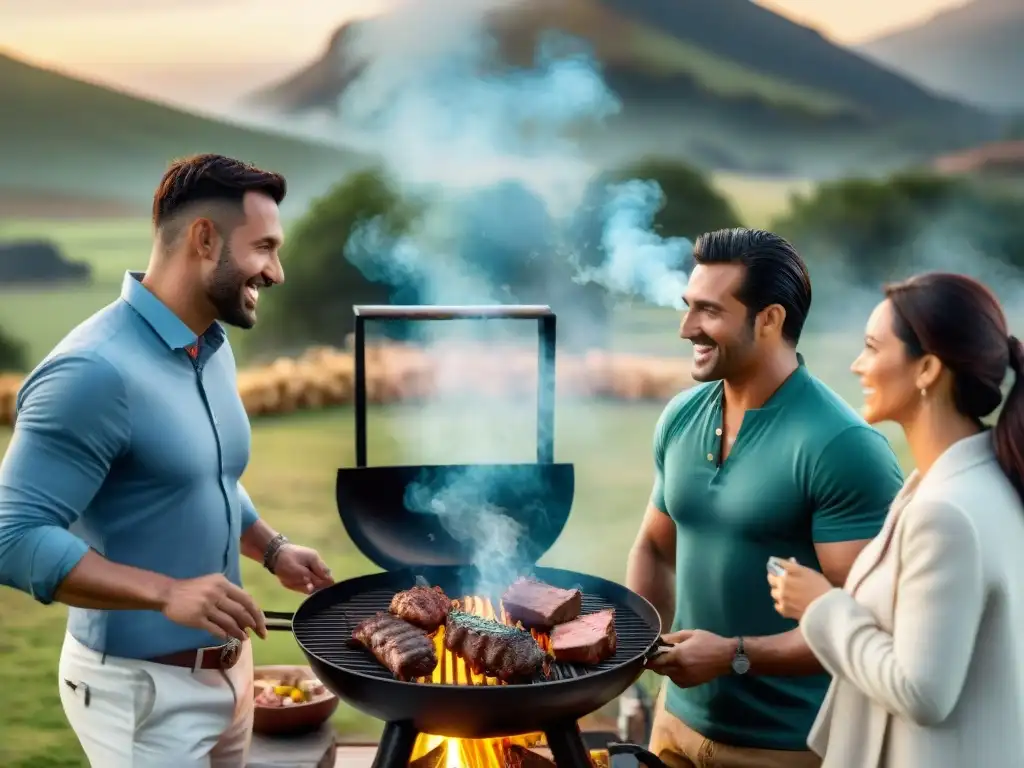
(565, 741)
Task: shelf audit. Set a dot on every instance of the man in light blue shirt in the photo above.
(120, 492)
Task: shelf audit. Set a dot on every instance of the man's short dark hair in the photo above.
(775, 273)
(210, 178)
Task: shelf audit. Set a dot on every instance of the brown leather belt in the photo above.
(221, 657)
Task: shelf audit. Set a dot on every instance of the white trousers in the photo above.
(138, 714)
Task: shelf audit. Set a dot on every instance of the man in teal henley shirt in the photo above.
(758, 459)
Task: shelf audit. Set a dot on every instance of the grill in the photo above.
(416, 548)
(320, 635)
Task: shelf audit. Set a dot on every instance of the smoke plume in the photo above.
(494, 151)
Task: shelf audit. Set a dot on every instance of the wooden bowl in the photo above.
(297, 718)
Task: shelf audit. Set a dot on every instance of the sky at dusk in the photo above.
(143, 46)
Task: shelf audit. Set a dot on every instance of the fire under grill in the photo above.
(324, 633)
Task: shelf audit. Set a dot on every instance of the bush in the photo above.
(1015, 129)
(13, 354)
(28, 262)
(314, 305)
(880, 230)
(692, 206)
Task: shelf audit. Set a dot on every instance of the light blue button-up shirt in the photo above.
(126, 443)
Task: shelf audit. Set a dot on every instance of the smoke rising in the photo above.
(510, 218)
(497, 542)
(638, 261)
(448, 120)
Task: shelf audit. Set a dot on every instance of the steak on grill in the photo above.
(540, 606)
(405, 650)
(492, 648)
(589, 639)
(424, 607)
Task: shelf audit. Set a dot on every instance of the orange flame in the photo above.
(453, 670)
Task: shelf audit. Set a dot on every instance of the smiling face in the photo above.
(718, 323)
(249, 259)
(889, 378)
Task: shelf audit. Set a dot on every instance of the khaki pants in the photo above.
(679, 746)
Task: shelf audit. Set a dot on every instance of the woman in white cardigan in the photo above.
(925, 643)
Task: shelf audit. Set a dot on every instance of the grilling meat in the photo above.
(540, 606)
(589, 639)
(405, 650)
(492, 648)
(424, 607)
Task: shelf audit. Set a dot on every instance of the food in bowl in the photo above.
(287, 690)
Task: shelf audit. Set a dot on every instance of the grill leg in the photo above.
(567, 748)
(396, 744)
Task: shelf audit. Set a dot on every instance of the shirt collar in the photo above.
(167, 325)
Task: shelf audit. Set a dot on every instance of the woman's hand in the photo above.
(797, 588)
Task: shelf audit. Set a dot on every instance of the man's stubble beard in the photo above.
(225, 292)
(731, 360)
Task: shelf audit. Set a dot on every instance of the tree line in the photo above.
(863, 231)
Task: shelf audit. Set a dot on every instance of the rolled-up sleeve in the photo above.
(72, 424)
(249, 514)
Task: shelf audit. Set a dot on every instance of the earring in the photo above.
(924, 392)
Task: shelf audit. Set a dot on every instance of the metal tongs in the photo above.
(658, 648)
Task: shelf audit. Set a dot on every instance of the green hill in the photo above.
(973, 52)
(71, 141)
(727, 85)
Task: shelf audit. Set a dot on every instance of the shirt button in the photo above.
(711, 457)
(718, 431)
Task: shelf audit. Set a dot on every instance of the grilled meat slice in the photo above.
(540, 606)
(404, 649)
(589, 639)
(424, 607)
(492, 648)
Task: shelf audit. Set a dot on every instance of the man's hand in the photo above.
(697, 658)
(301, 569)
(214, 604)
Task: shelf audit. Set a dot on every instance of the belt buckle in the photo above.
(229, 653)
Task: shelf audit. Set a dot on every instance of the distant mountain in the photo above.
(71, 144)
(708, 79)
(974, 53)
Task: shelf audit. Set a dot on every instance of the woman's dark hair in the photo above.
(960, 321)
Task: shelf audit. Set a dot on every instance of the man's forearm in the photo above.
(96, 582)
(255, 539)
(652, 578)
(785, 655)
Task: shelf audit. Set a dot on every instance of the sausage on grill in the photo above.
(492, 648)
(404, 649)
(425, 607)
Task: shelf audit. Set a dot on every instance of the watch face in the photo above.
(740, 665)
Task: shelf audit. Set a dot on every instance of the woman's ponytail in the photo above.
(1009, 430)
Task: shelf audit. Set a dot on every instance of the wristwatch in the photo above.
(740, 660)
